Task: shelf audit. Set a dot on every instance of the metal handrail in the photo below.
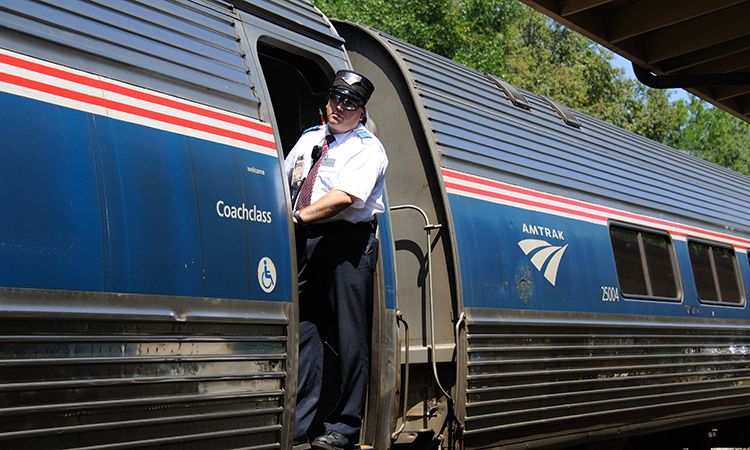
(405, 388)
(428, 227)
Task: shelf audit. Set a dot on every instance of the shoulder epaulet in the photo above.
(363, 134)
(316, 127)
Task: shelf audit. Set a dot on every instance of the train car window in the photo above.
(644, 262)
(716, 271)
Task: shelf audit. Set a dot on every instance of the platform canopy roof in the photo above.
(702, 46)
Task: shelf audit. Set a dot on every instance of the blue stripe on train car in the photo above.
(575, 273)
(97, 204)
(498, 274)
(387, 257)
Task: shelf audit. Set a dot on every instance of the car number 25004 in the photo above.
(610, 294)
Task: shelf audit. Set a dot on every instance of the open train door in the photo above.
(297, 72)
(428, 292)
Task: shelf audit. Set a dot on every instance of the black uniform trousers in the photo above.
(336, 264)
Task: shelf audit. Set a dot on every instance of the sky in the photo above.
(619, 61)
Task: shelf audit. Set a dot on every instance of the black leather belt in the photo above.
(319, 229)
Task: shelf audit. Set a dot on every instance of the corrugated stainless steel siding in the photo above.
(478, 131)
(127, 384)
(178, 47)
(299, 15)
(533, 377)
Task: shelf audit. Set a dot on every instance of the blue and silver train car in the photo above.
(550, 280)
(147, 274)
(579, 284)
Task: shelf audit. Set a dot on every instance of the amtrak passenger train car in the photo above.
(589, 285)
(546, 280)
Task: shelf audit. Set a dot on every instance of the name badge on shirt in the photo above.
(328, 162)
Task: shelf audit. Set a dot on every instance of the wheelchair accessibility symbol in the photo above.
(267, 275)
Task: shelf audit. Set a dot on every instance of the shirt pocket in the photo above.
(327, 177)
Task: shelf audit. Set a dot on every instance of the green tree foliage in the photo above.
(429, 24)
(716, 136)
(529, 50)
(485, 38)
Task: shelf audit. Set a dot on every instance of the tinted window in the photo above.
(715, 272)
(644, 262)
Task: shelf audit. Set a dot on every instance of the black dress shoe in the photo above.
(301, 445)
(333, 440)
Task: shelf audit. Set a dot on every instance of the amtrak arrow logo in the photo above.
(544, 253)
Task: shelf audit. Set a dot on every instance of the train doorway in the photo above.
(298, 85)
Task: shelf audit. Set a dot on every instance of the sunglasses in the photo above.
(349, 104)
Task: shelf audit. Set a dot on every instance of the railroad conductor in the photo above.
(336, 173)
